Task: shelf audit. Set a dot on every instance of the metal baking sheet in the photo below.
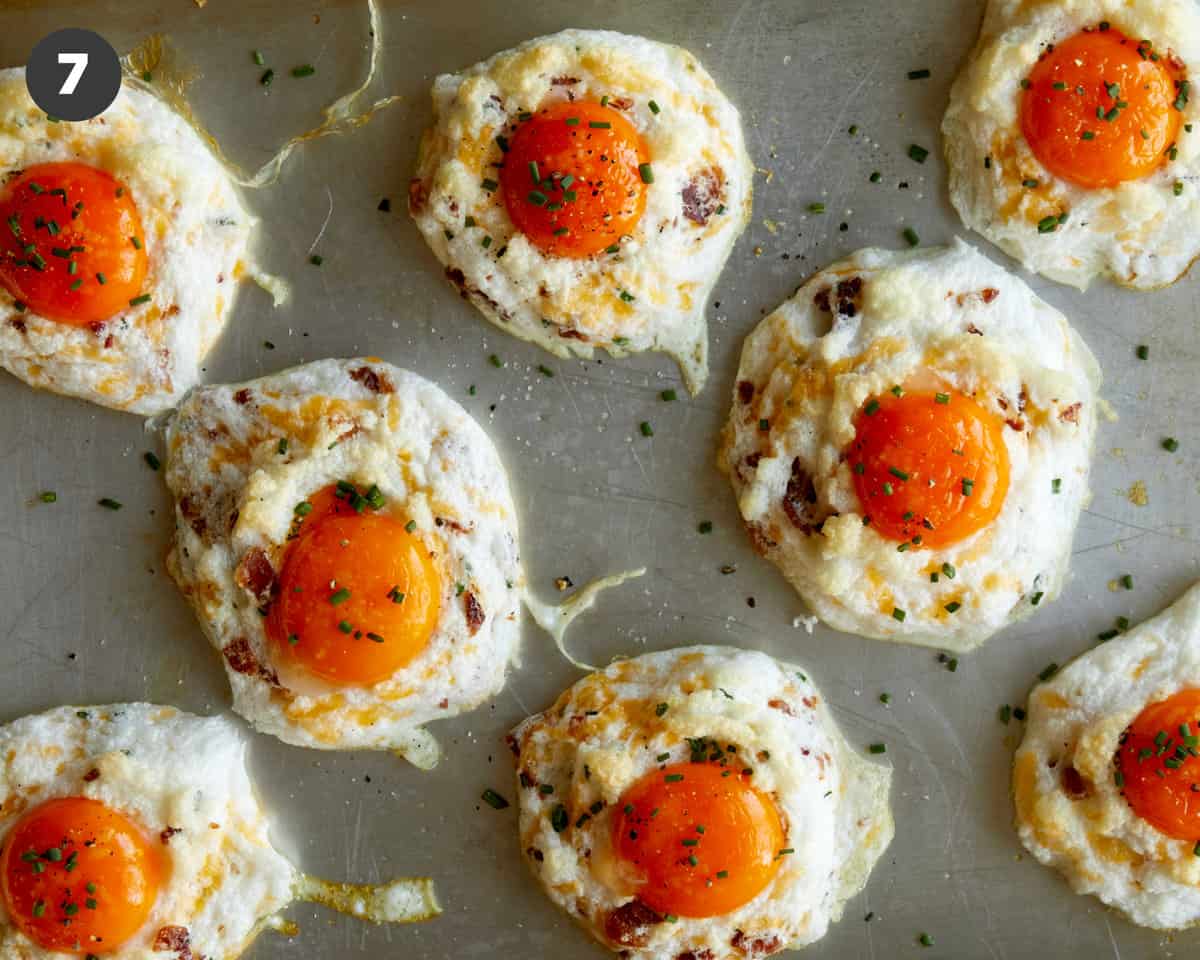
(89, 615)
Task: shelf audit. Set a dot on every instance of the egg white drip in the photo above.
(224, 877)
(833, 802)
(1140, 233)
(912, 298)
(448, 462)
(196, 232)
(696, 127)
(1104, 691)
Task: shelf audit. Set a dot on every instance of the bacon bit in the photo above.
(752, 460)
(191, 513)
(629, 925)
(459, 279)
(175, 940)
(443, 703)
(372, 380)
(849, 293)
(986, 295)
(810, 702)
(758, 947)
(96, 327)
(1071, 414)
(1017, 425)
(475, 614)
(453, 525)
(564, 81)
(256, 574)
(535, 854)
(1073, 783)
(799, 500)
(822, 301)
(512, 744)
(1022, 399)
(703, 194)
(91, 775)
(568, 333)
(418, 195)
(1003, 403)
(241, 659)
(782, 706)
(108, 342)
(704, 954)
(745, 391)
(971, 328)
(167, 834)
(620, 103)
(527, 780)
(759, 539)
(17, 324)
(243, 396)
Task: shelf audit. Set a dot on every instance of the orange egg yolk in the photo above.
(1160, 768)
(72, 245)
(574, 179)
(78, 876)
(930, 469)
(703, 840)
(1101, 109)
(359, 595)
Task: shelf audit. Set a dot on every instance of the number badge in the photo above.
(73, 74)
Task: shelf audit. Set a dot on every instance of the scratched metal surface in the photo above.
(88, 614)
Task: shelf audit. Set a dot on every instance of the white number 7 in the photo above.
(78, 62)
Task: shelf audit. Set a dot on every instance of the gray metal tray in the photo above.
(88, 614)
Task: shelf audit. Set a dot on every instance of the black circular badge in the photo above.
(73, 74)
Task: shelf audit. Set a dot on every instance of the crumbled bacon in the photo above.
(702, 195)
(17, 324)
(453, 525)
(800, 500)
(241, 659)
(255, 574)
(620, 103)
(971, 328)
(418, 195)
(373, 380)
(758, 947)
(1071, 414)
(91, 775)
(168, 833)
(569, 333)
(782, 706)
(175, 940)
(191, 513)
(1073, 783)
(629, 925)
(475, 614)
(745, 391)
(564, 81)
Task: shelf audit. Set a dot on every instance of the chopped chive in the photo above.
(316, 259)
(304, 70)
(898, 614)
(1036, 598)
(537, 198)
(302, 509)
(660, 709)
(816, 208)
(1047, 224)
(952, 607)
(918, 74)
(871, 407)
(1143, 352)
(876, 176)
(48, 496)
(669, 395)
(941, 398)
(925, 940)
(1048, 672)
(109, 504)
(599, 124)
(705, 526)
(572, 121)
(898, 473)
(544, 370)
(1056, 485)
(912, 237)
(1088, 135)
(654, 108)
(534, 173)
(489, 185)
(1005, 714)
(1030, 184)
(101, 279)
(948, 570)
(152, 461)
(495, 361)
(339, 596)
(647, 172)
(918, 153)
(877, 748)
(1170, 444)
(968, 487)
(558, 818)
(494, 800)
(647, 430)
(258, 58)
(1127, 581)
